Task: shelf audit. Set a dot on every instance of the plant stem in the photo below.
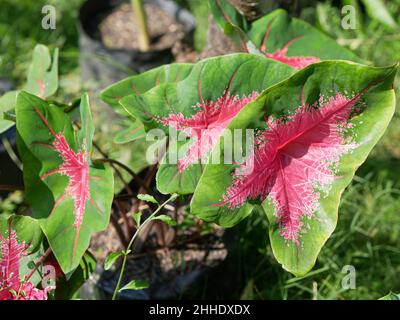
(141, 23)
(38, 263)
(138, 180)
(127, 251)
(6, 187)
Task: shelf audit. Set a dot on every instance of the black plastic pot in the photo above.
(104, 65)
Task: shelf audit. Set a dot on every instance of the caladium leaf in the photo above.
(70, 195)
(391, 296)
(27, 228)
(40, 81)
(198, 108)
(306, 152)
(280, 37)
(139, 84)
(7, 104)
(133, 130)
(43, 74)
(68, 285)
(13, 250)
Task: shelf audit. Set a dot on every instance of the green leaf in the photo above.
(111, 259)
(303, 40)
(132, 131)
(377, 9)
(27, 229)
(85, 135)
(147, 198)
(391, 296)
(135, 285)
(139, 84)
(49, 194)
(166, 219)
(230, 20)
(136, 217)
(320, 79)
(42, 74)
(40, 81)
(7, 104)
(66, 287)
(241, 74)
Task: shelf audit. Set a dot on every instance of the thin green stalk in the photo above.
(127, 251)
(141, 22)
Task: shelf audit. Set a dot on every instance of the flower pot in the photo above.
(104, 65)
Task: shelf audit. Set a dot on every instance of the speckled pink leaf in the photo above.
(294, 159)
(207, 124)
(75, 167)
(11, 287)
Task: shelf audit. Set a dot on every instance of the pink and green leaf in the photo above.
(199, 108)
(40, 81)
(43, 73)
(70, 195)
(280, 37)
(19, 236)
(312, 132)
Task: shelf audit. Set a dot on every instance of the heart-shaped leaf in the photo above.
(40, 81)
(198, 108)
(312, 132)
(70, 195)
(279, 37)
(43, 74)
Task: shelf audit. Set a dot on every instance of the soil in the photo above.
(118, 28)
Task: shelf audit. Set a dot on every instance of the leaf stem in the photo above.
(141, 23)
(127, 251)
(38, 263)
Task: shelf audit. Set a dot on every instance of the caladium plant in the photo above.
(70, 194)
(278, 36)
(201, 106)
(312, 132)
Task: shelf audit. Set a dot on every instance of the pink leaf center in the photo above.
(293, 159)
(206, 125)
(11, 288)
(75, 167)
